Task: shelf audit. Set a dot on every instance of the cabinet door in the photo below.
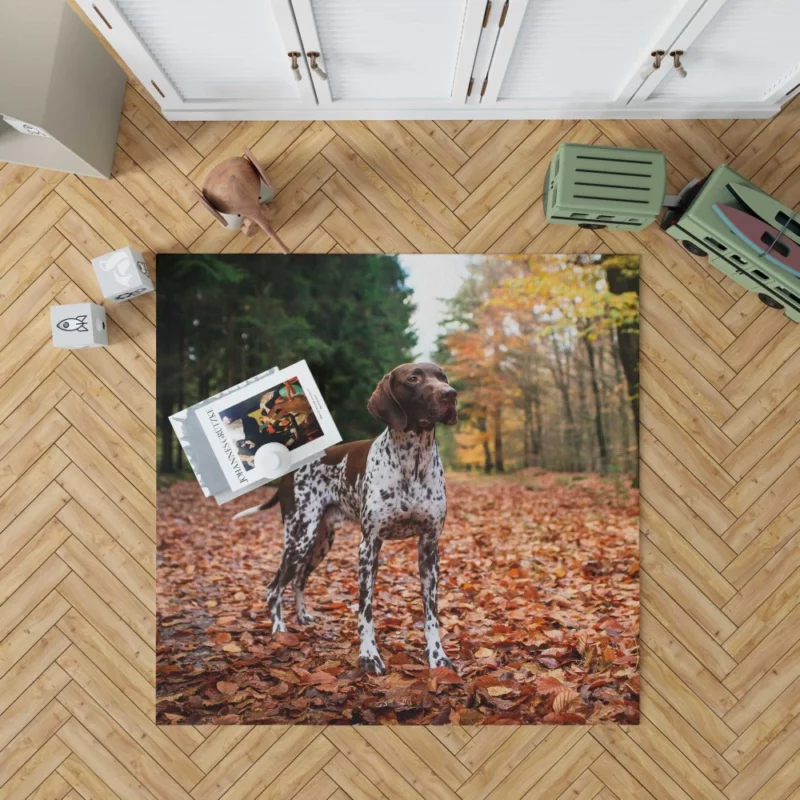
(735, 51)
(207, 55)
(390, 53)
(571, 55)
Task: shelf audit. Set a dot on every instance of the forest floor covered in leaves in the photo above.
(538, 598)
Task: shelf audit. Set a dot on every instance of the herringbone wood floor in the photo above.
(720, 471)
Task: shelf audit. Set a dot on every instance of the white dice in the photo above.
(78, 325)
(122, 274)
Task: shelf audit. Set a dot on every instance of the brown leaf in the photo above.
(321, 677)
(469, 716)
(287, 639)
(232, 648)
(564, 699)
(564, 719)
(227, 687)
(445, 675)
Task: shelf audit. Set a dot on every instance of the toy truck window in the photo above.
(791, 225)
(715, 243)
(775, 244)
(789, 294)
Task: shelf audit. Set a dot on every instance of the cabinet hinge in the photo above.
(469, 87)
(503, 15)
(483, 88)
(486, 13)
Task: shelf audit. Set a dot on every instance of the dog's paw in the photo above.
(373, 664)
(442, 661)
(278, 626)
(304, 618)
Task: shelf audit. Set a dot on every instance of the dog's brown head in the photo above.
(414, 397)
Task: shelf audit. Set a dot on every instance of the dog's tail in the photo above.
(256, 509)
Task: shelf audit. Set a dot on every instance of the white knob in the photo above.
(315, 68)
(657, 56)
(295, 66)
(676, 60)
(273, 460)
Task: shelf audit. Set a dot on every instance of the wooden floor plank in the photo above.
(720, 476)
(437, 143)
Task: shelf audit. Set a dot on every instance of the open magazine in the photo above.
(222, 435)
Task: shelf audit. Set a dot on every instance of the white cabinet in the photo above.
(205, 56)
(555, 54)
(390, 53)
(740, 51)
(340, 59)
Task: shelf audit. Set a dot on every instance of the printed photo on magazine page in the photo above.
(286, 408)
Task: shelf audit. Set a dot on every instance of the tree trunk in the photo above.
(602, 447)
(536, 445)
(499, 465)
(166, 399)
(488, 465)
(165, 408)
(628, 342)
(623, 402)
(561, 377)
(527, 429)
(204, 384)
(583, 454)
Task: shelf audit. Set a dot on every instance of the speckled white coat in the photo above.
(400, 494)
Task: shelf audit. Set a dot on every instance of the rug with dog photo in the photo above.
(467, 553)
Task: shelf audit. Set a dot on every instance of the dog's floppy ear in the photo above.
(384, 407)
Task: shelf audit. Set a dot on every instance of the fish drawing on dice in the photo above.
(78, 324)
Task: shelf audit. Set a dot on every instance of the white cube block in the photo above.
(78, 325)
(122, 274)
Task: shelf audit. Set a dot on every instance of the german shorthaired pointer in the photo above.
(393, 485)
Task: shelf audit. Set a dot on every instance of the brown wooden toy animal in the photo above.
(233, 189)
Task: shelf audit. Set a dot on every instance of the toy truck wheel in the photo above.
(592, 226)
(693, 248)
(769, 301)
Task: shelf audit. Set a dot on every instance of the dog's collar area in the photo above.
(414, 450)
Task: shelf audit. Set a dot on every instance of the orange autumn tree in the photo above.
(563, 297)
(477, 346)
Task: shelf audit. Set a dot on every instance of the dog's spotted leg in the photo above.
(303, 617)
(321, 547)
(290, 561)
(428, 548)
(369, 658)
(275, 592)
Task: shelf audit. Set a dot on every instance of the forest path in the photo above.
(538, 600)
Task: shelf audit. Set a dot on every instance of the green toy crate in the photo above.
(599, 187)
(696, 225)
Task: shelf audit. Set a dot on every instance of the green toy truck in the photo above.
(696, 224)
(747, 235)
(605, 187)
